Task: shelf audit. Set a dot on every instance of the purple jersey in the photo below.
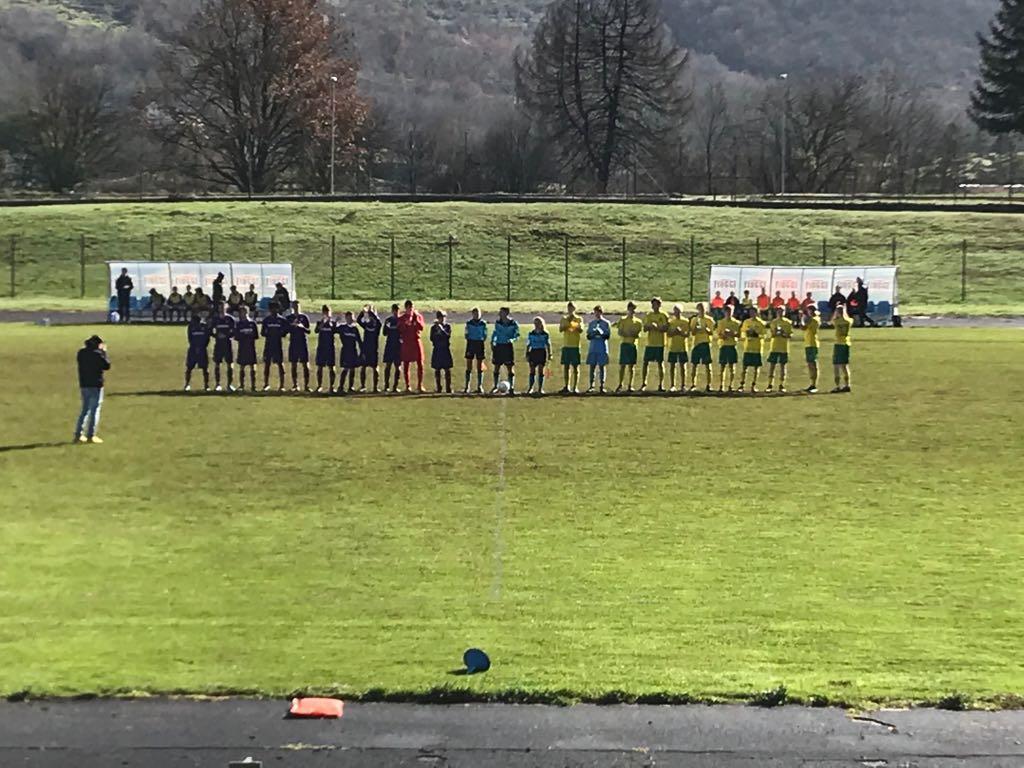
(198, 335)
(298, 329)
(246, 331)
(392, 341)
(223, 328)
(275, 328)
(325, 331)
(351, 356)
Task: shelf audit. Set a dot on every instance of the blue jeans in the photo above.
(92, 401)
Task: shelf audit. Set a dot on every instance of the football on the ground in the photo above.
(504, 387)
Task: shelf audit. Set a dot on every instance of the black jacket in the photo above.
(124, 284)
(91, 365)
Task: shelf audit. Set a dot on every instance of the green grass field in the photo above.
(860, 548)
(47, 240)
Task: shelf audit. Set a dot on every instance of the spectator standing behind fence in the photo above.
(124, 285)
(92, 363)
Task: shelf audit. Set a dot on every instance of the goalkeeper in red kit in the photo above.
(410, 328)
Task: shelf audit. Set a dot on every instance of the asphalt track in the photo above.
(161, 732)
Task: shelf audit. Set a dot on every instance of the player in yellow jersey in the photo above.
(678, 333)
(728, 333)
(811, 345)
(656, 324)
(780, 331)
(701, 328)
(754, 330)
(841, 351)
(629, 327)
(571, 327)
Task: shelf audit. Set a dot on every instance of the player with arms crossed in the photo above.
(351, 352)
(728, 333)
(503, 353)
(223, 333)
(678, 333)
(655, 323)
(701, 328)
(841, 351)
(273, 332)
(298, 346)
(246, 331)
(571, 327)
(441, 351)
(476, 337)
(780, 329)
(599, 331)
(811, 346)
(198, 333)
(754, 330)
(629, 327)
(326, 357)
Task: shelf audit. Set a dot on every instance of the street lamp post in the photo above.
(785, 114)
(334, 83)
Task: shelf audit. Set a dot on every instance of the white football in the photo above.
(504, 387)
(115, 317)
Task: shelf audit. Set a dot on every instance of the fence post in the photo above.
(757, 251)
(271, 248)
(392, 267)
(14, 245)
(81, 264)
(211, 247)
(152, 247)
(566, 244)
(623, 268)
(451, 261)
(894, 250)
(824, 252)
(334, 267)
(964, 271)
(693, 250)
(508, 268)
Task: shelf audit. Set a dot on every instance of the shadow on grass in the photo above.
(32, 446)
(460, 396)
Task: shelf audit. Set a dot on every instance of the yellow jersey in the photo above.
(572, 331)
(811, 332)
(701, 329)
(843, 330)
(753, 331)
(629, 329)
(781, 331)
(728, 331)
(678, 331)
(653, 324)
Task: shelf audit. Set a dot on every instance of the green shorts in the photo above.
(841, 354)
(752, 360)
(627, 354)
(676, 358)
(654, 354)
(570, 355)
(701, 354)
(811, 353)
(778, 358)
(728, 356)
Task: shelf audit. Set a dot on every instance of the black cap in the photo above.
(93, 341)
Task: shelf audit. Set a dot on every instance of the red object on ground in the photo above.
(317, 708)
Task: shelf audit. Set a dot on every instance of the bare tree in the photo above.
(603, 79)
(712, 124)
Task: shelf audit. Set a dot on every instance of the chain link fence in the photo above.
(521, 266)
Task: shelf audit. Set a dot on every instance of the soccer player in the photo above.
(599, 331)
(326, 329)
(392, 349)
(476, 337)
(717, 307)
(441, 352)
(811, 344)
(793, 308)
(274, 330)
(175, 305)
(351, 352)
(235, 300)
(410, 326)
(246, 331)
(370, 322)
(655, 323)
(753, 330)
(538, 352)
(780, 329)
(629, 327)
(298, 346)
(505, 334)
(728, 332)
(198, 333)
(701, 328)
(223, 352)
(763, 302)
(571, 327)
(841, 351)
(777, 302)
(678, 333)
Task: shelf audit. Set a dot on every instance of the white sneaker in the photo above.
(266, 387)
(188, 387)
(218, 388)
(232, 388)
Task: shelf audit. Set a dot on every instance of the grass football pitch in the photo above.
(859, 548)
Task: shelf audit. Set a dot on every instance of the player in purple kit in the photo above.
(246, 331)
(223, 327)
(325, 330)
(351, 352)
(371, 325)
(392, 349)
(298, 346)
(274, 329)
(198, 333)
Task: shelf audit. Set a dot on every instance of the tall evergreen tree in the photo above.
(997, 103)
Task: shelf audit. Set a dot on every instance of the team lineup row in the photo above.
(684, 342)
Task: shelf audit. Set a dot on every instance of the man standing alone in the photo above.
(123, 285)
(92, 362)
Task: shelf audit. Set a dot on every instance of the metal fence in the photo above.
(531, 266)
